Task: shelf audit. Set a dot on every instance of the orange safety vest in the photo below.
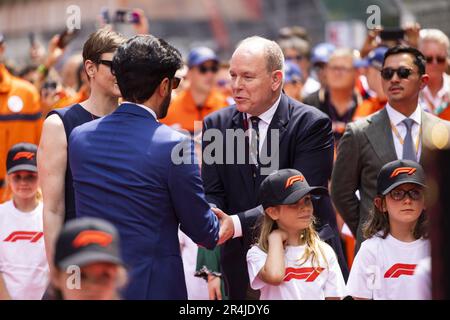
(183, 110)
(20, 118)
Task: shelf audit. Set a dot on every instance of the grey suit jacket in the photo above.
(365, 147)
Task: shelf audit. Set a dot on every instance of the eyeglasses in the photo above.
(175, 82)
(399, 194)
(297, 57)
(26, 178)
(439, 60)
(402, 73)
(107, 63)
(204, 69)
(339, 69)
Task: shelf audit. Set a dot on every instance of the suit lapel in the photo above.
(380, 137)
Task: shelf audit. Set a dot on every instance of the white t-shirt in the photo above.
(383, 269)
(301, 282)
(23, 263)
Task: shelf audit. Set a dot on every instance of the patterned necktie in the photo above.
(254, 143)
(409, 151)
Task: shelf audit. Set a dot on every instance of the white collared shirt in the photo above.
(153, 113)
(396, 119)
(431, 103)
(263, 126)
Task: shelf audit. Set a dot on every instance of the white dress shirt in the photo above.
(396, 119)
(153, 113)
(263, 126)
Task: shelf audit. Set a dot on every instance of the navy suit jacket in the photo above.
(305, 144)
(123, 172)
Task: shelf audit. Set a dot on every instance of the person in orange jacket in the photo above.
(20, 116)
(201, 97)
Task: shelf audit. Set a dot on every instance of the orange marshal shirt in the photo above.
(20, 118)
(183, 111)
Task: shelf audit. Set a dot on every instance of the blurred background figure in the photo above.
(88, 251)
(338, 99)
(223, 81)
(435, 97)
(369, 84)
(20, 115)
(319, 59)
(297, 50)
(293, 80)
(201, 97)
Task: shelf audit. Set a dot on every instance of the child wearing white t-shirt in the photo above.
(396, 237)
(290, 262)
(23, 263)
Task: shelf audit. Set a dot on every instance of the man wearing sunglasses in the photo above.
(124, 171)
(435, 97)
(398, 131)
(201, 97)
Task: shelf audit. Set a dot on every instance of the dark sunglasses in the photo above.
(107, 63)
(204, 69)
(413, 194)
(26, 177)
(297, 57)
(50, 85)
(439, 60)
(402, 73)
(175, 82)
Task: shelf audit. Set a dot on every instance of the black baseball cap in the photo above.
(286, 186)
(85, 241)
(21, 157)
(399, 172)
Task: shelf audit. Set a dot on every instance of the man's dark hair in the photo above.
(419, 58)
(141, 63)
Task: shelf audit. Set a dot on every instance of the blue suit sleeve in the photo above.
(197, 220)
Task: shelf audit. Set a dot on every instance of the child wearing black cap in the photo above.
(396, 236)
(23, 263)
(88, 264)
(290, 262)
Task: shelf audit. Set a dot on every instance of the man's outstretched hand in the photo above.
(226, 226)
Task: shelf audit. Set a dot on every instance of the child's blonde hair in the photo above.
(309, 236)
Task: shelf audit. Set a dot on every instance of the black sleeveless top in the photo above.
(72, 117)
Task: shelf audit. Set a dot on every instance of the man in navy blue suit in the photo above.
(303, 140)
(123, 172)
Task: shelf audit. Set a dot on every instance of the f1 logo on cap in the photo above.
(291, 180)
(92, 237)
(407, 170)
(23, 154)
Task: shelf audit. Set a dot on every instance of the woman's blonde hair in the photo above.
(309, 236)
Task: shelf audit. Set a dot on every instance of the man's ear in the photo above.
(277, 79)
(424, 80)
(273, 212)
(164, 87)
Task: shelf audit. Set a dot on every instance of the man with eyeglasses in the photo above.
(339, 99)
(201, 97)
(54, 169)
(125, 171)
(435, 97)
(398, 131)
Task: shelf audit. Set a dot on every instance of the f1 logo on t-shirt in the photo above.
(30, 236)
(400, 269)
(310, 274)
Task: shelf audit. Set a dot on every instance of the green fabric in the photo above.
(211, 259)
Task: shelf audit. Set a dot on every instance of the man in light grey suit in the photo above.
(396, 132)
